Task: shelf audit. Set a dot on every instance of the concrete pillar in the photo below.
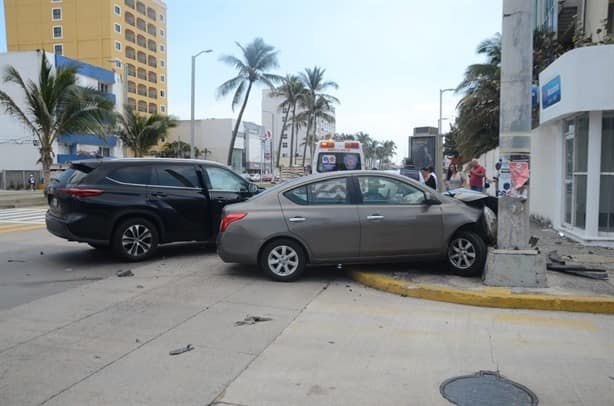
(513, 264)
(593, 179)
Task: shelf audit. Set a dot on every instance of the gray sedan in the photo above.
(351, 217)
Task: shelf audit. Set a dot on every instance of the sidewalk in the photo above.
(564, 292)
(21, 198)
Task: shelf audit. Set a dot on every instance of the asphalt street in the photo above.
(73, 333)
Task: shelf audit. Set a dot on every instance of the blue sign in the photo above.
(551, 92)
(534, 97)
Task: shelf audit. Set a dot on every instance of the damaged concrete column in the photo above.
(513, 263)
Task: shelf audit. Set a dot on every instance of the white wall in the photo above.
(545, 192)
(584, 86)
(596, 12)
(17, 150)
(213, 134)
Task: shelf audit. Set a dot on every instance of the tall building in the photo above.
(125, 35)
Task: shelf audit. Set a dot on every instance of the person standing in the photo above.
(477, 175)
(455, 179)
(429, 179)
(31, 181)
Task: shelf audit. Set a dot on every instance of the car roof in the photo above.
(145, 161)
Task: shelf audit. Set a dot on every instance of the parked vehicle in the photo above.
(333, 156)
(133, 205)
(351, 217)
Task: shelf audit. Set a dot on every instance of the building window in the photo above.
(606, 187)
(161, 17)
(162, 93)
(161, 32)
(118, 64)
(58, 49)
(162, 78)
(151, 13)
(57, 31)
(162, 63)
(118, 28)
(129, 3)
(576, 170)
(162, 108)
(56, 14)
(56, 1)
(118, 46)
(117, 10)
(161, 48)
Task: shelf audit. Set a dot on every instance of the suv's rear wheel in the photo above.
(283, 260)
(466, 254)
(135, 239)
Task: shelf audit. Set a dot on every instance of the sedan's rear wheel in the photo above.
(135, 239)
(466, 254)
(283, 260)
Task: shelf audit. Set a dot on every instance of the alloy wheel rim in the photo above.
(137, 240)
(462, 253)
(283, 260)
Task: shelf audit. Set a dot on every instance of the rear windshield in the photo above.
(73, 175)
(338, 161)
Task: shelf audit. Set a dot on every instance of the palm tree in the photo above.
(315, 85)
(315, 109)
(141, 133)
(292, 90)
(56, 105)
(258, 59)
(478, 110)
(178, 149)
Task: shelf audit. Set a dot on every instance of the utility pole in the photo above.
(192, 87)
(440, 156)
(513, 263)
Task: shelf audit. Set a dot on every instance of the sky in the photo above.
(389, 57)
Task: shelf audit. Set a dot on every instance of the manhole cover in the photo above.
(486, 388)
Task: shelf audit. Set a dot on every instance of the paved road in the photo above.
(35, 264)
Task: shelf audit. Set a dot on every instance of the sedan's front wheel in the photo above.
(283, 260)
(135, 239)
(466, 254)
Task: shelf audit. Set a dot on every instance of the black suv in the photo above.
(133, 205)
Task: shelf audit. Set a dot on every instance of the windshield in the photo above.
(338, 161)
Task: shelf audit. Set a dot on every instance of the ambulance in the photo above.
(338, 156)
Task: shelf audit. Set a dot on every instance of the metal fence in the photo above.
(18, 180)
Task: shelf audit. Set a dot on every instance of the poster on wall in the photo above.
(423, 151)
(513, 177)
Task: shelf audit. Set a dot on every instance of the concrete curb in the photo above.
(487, 297)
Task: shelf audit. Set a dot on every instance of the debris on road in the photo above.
(139, 286)
(555, 257)
(181, 350)
(533, 241)
(579, 270)
(121, 273)
(249, 320)
(42, 253)
(16, 260)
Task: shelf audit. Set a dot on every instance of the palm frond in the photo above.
(229, 86)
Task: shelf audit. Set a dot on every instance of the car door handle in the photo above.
(297, 219)
(374, 217)
(158, 194)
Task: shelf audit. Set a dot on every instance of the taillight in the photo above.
(229, 219)
(352, 145)
(327, 144)
(79, 192)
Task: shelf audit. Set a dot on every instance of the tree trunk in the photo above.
(281, 136)
(292, 132)
(46, 160)
(306, 140)
(313, 140)
(236, 129)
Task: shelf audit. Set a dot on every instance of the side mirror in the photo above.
(252, 188)
(429, 199)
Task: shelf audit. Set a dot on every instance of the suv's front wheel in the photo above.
(135, 239)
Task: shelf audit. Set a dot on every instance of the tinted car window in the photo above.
(330, 191)
(72, 176)
(381, 190)
(136, 175)
(338, 161)
(223, 180)
(177, 176)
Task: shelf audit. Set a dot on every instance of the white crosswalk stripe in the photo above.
(23, 216)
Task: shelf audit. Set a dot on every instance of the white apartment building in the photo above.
(18, 146)
(272, 120)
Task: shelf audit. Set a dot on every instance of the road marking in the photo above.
(31, 216)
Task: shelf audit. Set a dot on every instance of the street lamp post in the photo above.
(440, 156)
(272, 141)
(192, 102)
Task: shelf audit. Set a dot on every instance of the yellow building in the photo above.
(105, 33)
